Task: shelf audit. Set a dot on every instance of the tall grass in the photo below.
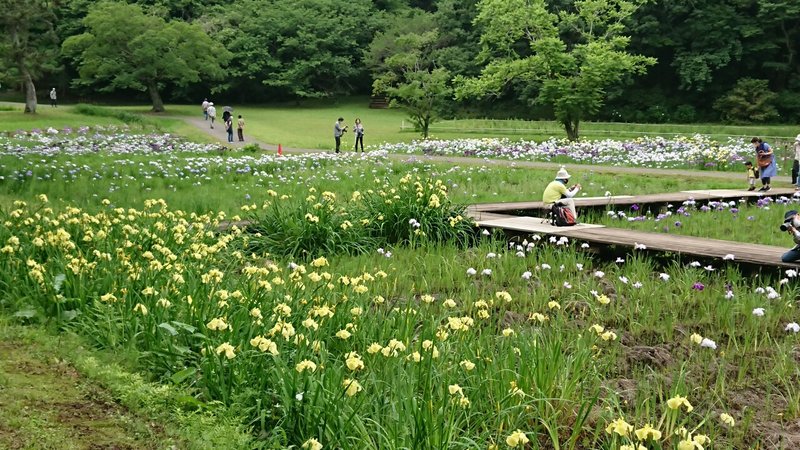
(433, 346)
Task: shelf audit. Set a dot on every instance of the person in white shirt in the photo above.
(212, 113)
(205, 108)
(53, 100)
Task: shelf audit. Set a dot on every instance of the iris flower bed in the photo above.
(525, 344)
(92, 140)
(205, 180)
(695, 152)
(756, 223)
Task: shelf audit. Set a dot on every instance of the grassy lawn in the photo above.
(47, 117)
(310, 125)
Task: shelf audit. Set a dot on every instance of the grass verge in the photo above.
(57, 394)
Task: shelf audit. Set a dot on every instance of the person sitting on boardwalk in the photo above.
(766, 162)
(791, 224)
(557, 192)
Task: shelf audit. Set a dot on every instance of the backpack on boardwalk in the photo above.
(561, 216)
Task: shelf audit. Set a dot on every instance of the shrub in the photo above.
(685, 114)
(415, 211)
(124, 116)
(749, 101)
(406, 214)
(304, 228)
(252, 148)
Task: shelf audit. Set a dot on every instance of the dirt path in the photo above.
(219, 134)
(46, 404)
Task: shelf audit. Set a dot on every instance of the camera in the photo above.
(785, 227)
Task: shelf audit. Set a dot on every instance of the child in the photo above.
(751, 175)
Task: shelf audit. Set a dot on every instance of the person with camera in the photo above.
(557, 193)
(791, 225)
(338, 130)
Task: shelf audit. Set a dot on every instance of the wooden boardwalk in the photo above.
(761, 255)
(641, 200)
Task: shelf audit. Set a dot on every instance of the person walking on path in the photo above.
(205, 108)
(796, 164)
(212, 113)
(767, 167)
(557, 193)
(358, 131)
(338, 131)
(53, 98)
(240, 128)
(229, 127)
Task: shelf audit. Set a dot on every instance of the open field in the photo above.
(310, 125)
(377, 347)
(361, 310)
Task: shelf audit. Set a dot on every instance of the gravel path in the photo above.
(219, 133)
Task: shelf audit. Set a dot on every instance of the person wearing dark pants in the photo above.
(53, 98)
(358, 130)
(338, 131)
(229, 127)
(796, 165)
(240, 128)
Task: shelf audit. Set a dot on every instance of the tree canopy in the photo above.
(125, 48)
(522, 40)
(29, 45)
(279, 50)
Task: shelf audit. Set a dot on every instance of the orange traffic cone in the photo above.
(280, 150)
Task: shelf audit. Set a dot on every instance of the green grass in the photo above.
(129, 181)
(309, 124)
(46, 117)
(58, 395)
(555, 376)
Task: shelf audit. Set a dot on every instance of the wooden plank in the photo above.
(483, 215)
(764, 255)
(531, 224)
(670, 197)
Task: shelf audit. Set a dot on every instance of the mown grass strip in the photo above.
(184, 421)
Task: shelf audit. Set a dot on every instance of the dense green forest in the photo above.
(634, 60)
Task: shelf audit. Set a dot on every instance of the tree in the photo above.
(405, 69)
(28, 46)
(296, 48)
(749, 101)
(125, 48)
(573, 57)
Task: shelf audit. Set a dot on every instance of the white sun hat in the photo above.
(562, 174)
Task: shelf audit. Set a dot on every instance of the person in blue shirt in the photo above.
(766, 162)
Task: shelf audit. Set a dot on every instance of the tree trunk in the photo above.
(158, 104)
(426, 124)
(30, 90)
(571, 127)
